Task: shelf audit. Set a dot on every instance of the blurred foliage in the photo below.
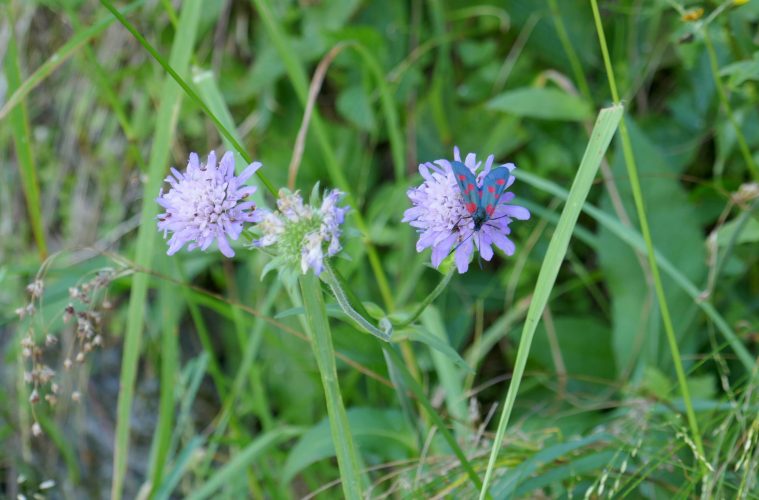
(598, 413)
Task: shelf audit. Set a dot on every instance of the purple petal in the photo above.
(483, 245)
(248, 172)
(502, 242)
(227, 165)
(488, 165)
(442, 249)
(224, 247)
(194, 162)
(463, 254)
(471, 161)
(211, 164)
(515, 211)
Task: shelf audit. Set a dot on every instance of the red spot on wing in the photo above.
(462, 177)
(480, 193)
(500, 182)
(491, 189)
(469, 187)
(489, 209)
(471, 207)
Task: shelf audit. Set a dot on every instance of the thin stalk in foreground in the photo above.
(167, 66)
(299, 82)
(632, 172)
(725, 102)
(428, 299)
(603, 131)
(321, 343)
(146, 236)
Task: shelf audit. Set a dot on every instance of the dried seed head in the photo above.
(36, 429)
(46, 485)
(35, 289)
(50, 340)
(34, 397)
(45, 374)
(80, 357)
(746, 192)
(25, 311)
(76, 396)
(67, 363)
(68, 313)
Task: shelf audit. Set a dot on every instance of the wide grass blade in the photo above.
(171, 95)
(169, 67)
(19, 118)
(321, 343)
(603, 131)
(209, 91)
(237, 466)
(170, 307)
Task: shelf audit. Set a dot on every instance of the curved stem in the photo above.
(330, 278)
(632, 172)
(428, 300)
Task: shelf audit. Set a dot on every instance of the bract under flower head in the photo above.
(439, 214)
(300, 232)
(207, 203)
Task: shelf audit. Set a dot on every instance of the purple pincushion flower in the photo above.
(439, 214)
(207, 203)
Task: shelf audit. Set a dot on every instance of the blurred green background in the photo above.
(228, 401)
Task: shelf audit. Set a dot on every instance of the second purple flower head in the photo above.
(441, 218)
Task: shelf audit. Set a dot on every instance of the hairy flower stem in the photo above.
(330, 278)
(321, 342)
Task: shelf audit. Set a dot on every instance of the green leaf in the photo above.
(383, 434)
(657, 383)
(506, 486)
(749, 233)
(673, 221)
(545, 103)
(241, 460)
(603, 131)
(354, 105)
(741, 72)
(584, 344)
(419, 334)
(449, 373)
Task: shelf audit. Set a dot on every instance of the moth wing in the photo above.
(493, 187)
(468, 185)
